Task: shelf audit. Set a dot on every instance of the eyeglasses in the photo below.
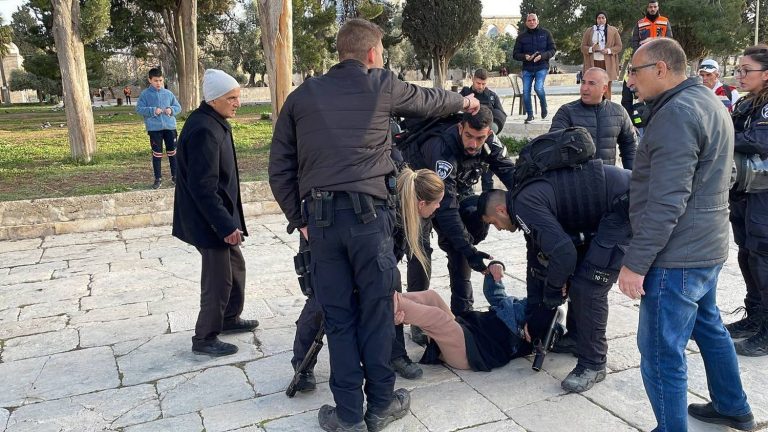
(740, 72)
(633, 70)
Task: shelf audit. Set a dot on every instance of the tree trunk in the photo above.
(277, 38)
(74, 78)
(441, 67)
(185, 28)
(6, 92)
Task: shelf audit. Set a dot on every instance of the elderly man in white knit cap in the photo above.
(208, 213)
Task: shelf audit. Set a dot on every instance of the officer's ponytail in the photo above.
(412, 187)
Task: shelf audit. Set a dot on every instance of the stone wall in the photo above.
(43, 217)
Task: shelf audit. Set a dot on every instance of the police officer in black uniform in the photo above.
(576, 227)
(460, 156)
(490, 99)
(329, 169)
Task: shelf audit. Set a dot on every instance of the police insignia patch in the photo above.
(765, 111)
(522, 225)
(443, 169)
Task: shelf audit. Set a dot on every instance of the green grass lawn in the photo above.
(35, 160)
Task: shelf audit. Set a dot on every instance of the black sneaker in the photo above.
(744, 327)
(397, 409)
(529, 118)
(566, 345)
(418, 335)
(582, 379)
(755, 345)
(213, 347)
(157, 183)
(239, 325)
(330, 422)
(406, 368)
(544, 113)
(307, 382)
(706, 413)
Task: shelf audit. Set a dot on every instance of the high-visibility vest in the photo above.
(652, 29)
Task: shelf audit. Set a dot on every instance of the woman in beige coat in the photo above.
(601, 46)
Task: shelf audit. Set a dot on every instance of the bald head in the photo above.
(594, 84)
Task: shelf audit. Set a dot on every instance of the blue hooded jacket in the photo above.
(152, 98)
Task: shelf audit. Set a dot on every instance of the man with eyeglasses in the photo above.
(679, 216)
(208, 213)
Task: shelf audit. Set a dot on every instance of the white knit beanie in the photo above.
(217, 83)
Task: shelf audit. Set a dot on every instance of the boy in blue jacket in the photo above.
(159, 107)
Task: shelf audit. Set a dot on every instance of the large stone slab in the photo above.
(623, 394)
(253, 412)
(273, 374)
(566, 413)
(79, 269)
(102, 411)
(171, 354)
(460, 406)
(44, 292)
(20, 245)
(32, 273)
(197, 390)
(275, 341)
(9, 330)
(115, 313)
(623, 353)
(108, 333)
(81, 238)
(184, 423)
(41, 310)
(121, 298)
(87, 250)
(133, 280)
(495, 386)
(40, 345)
(622, 321)
(146, 232)
(20, 257)
(57, 376)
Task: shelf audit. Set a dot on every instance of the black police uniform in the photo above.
(445, 155)
(749, 211)
(330, 148)
(576, 227)
(490, 99)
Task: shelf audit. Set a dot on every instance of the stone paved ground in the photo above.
(95, 335)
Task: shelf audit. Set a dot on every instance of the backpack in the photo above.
(562, 148)
(417, 131)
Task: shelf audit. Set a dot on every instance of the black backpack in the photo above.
(416, 131)
(554, 150)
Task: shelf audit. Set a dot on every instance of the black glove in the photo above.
(475, 260)
(553, 297)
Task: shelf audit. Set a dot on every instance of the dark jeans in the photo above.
(222, 290)
(353, 269)
(156, 139)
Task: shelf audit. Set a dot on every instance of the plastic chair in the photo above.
(517, 88)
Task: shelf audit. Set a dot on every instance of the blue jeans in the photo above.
(528, 78)
(678, 303)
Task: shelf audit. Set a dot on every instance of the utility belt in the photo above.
(321, 205)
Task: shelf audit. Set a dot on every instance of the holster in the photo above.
(323, 208)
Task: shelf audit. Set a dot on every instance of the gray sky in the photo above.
(490, 7)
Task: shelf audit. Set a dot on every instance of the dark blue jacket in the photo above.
(531, 41)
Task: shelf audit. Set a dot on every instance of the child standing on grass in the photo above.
(159, 107)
